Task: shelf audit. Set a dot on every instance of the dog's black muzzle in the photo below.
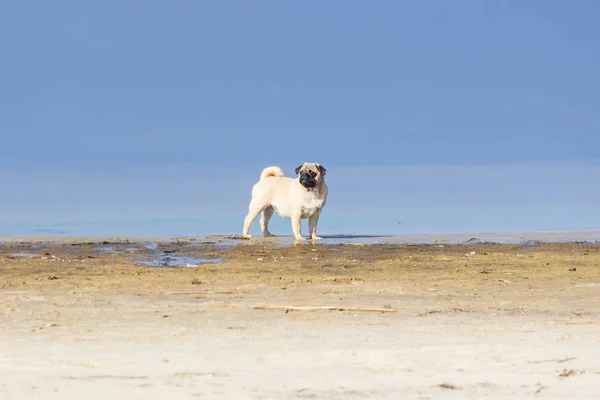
(307, 180)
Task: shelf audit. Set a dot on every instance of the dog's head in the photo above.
(310, 174)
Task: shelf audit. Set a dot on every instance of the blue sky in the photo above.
(161, 109)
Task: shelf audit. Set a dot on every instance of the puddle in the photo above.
(114, 250)
(151, 246)
(25, 255)
(108, 249)
(177, 261)
(534, 245)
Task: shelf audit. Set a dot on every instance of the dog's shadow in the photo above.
(352, 236)
(283, 237)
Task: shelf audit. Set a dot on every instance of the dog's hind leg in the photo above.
(264, 221)
(253, 210)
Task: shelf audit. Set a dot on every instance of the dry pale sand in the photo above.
(478, 320)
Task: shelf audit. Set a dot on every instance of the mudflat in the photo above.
(258, 319)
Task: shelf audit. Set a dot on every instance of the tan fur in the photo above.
(275, 192)
(271, 171)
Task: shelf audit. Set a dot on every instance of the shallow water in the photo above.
(533, 239)
(178, 261)
(115, 250)
(166, 254)
(25, 255)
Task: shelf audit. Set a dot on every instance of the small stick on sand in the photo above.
(326, 308)
(205, 292)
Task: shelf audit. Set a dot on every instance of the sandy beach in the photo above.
(349, 318)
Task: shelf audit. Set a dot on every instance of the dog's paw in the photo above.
(247, 236)
(269, 234)
(300, 239)
(316, 238)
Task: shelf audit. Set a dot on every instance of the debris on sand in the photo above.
(448, 386)
(566, 373)
(557, 360)
(231, 237)
(325, 308)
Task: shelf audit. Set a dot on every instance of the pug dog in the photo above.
(295, 198)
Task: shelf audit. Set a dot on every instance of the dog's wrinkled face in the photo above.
(310, 174)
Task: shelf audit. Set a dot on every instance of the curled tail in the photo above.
(270, 171)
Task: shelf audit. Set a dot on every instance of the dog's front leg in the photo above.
(296, 227)
(312, 225)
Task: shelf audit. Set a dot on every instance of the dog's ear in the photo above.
(298, 169)
(322, 170)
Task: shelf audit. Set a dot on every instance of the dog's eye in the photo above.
(313, 173)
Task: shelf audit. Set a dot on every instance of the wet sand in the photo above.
(82, 318)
